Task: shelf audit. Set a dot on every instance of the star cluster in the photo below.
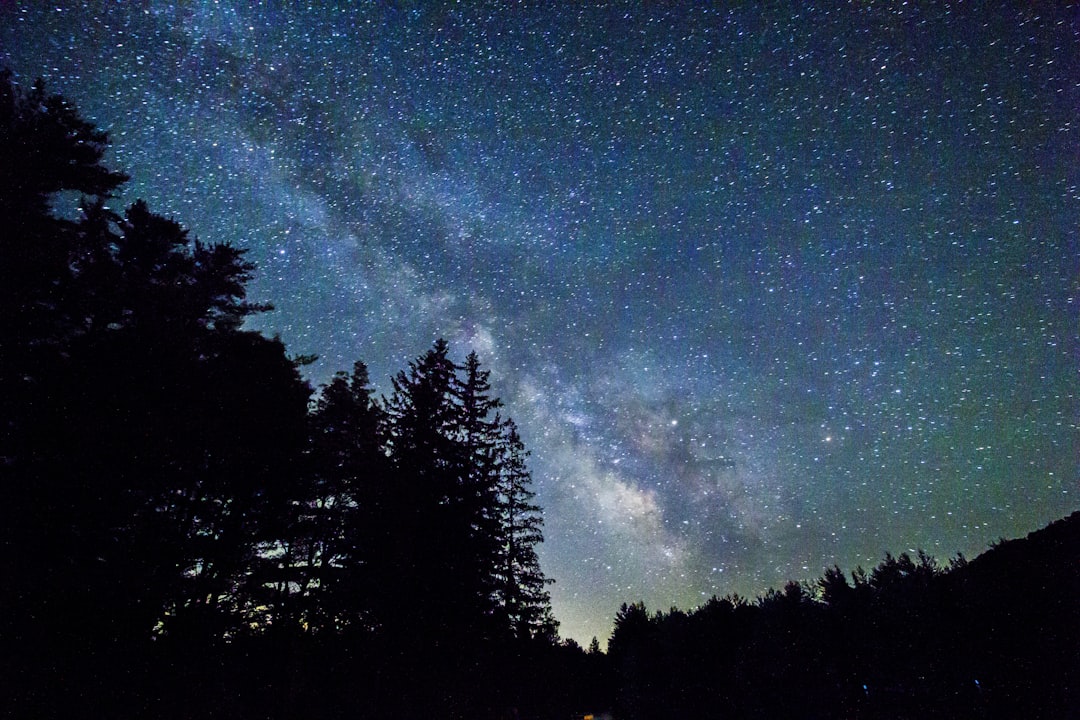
(766, 289)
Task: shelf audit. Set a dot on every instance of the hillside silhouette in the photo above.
(994, 637)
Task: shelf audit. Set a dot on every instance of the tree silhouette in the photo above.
(479, 427)
(144, 433)
(342, 523)
(50, 149)
(462, 469)
(47, 149)
(522, 585)
(179, 514)
(428, 474)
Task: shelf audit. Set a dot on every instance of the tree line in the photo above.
(182, 512)
(994, 637)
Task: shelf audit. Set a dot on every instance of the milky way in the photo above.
(765, 290)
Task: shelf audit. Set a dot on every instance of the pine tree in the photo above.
(340, 523)
(466, 506)
(480, 426)
(144, 434)
(522, 586)
(428, 468)
(47, 149)
(240, 414)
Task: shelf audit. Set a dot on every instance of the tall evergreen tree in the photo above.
(479, 431)
(47, 149)
(143, 431)
(468, 492)
(522, 586)
(428, 466)
(341, 521)
(169, 488)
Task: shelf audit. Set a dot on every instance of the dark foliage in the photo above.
(997, 637)
(185, 533)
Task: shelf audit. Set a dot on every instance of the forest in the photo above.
(191, 530)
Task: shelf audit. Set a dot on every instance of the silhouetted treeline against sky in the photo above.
(188, 529)
(996, 637)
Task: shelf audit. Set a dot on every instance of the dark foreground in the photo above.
(994, 637)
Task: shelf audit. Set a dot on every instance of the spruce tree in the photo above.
(522, 586)
(144, 433)
(47, 149)
(479, 430)
(340, 531)
(428, 466)
(469, 524)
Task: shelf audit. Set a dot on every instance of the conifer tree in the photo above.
(522, 586)
(480, 428)
(341, 522)
(428, 467)
(47, 149)
(462, 482)
(144, 432)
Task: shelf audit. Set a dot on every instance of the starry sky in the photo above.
(765, 289)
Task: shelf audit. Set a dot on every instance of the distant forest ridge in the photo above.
(994, 637)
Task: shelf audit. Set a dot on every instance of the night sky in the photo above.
(766, 290)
